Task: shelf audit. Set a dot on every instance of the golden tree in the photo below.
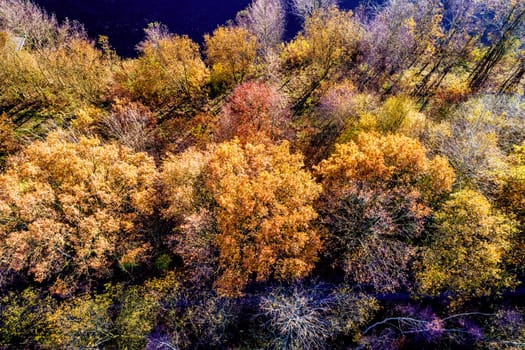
(320, 54)
(377, 197)
(169, 73)
(467, 250)
(231, 53)
(52, 83)
(71, 210)
(245, 208)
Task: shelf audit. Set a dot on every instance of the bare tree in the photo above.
(266, 20)
(305, 8)
(154, 33)
(26, 19)
(130, 124)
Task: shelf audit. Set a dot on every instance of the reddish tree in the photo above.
(254, 111)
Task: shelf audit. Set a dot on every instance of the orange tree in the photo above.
(378, 193)
(244, 211)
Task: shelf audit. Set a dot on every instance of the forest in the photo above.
(360, 186)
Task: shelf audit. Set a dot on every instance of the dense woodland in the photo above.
(361, 186)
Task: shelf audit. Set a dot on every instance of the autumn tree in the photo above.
(511, 199)
(266, 20)
(40, 29)
(378, 193)
(466, 252)
(398, 36)
(52, 84)
(254, 112)
(399, 114)
(308, 317)
(231, 53)
(81, 322)
(246, 209)
(130, 123)
(23, 318)
(8, 140)
(321, 53)
(342, 112)
(168, 75)
(506, 30)
(471, 141)
(71, 210)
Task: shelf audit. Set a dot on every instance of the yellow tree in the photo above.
(324, 49)
(71, 210)
(231, 53)
(246, 209)
(52, 83)
(511, 199)
(466, 253)
(378, 193)
(169, 73)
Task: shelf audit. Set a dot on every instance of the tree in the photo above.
(399, 114)
(399, 36)
(307, 317)
(322, 52)
(306, 8)
(511, 199)
(506, 27)
(71, 211)
(266, 20)
(231, 53)
(23, 318)
(81, 322)
(378, 193)
(130, 123)
(470, 141)
(40, 30)
(254, 112)
(466, 251)
(169, 75)
(8, 140)
(259, 200)
(51, 85)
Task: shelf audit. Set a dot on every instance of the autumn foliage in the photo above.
(359, 184)
(260, 201)
(378, 193)
(169, 73)
(70, 210)
(254, 112)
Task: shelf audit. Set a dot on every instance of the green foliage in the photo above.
(163, 262)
